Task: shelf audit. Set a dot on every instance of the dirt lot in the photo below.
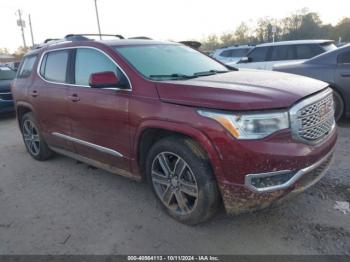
(63, 207)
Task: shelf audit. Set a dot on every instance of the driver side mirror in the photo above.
(245, 60)
(103, 80)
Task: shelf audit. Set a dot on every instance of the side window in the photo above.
(258, 54)
(344, 58)
(26, 67)
(307, 51)
(89, 61)
(226, 53)
(54, 66)
(283, 52)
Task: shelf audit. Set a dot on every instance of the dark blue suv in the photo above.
(6, 101)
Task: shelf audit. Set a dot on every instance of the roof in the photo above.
(297, 42)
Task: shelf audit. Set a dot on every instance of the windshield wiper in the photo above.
(210, 72)
(176, 75)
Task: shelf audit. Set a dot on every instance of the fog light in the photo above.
(271, 179)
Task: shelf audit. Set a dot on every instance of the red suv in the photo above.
(201, 133)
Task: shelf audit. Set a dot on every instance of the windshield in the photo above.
(7, 73)
(169, 61)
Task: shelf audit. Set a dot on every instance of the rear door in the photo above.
(48, 94)
(99, 116)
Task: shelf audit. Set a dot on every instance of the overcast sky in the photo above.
(160, 19)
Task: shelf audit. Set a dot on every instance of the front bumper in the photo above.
(248, 198)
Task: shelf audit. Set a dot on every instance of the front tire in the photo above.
(338, 105)
(33, 140)
(182, 180)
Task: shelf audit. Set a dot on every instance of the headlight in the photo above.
(250, 125)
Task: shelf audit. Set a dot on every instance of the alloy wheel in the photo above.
(174, 183)
(31, 137)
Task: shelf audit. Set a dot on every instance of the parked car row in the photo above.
(331, 67)
(201, 133)
(6, 101)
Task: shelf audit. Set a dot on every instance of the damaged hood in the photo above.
(240, 90)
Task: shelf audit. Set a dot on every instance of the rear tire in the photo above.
(338, 105)
(33, 140)
(181, 178)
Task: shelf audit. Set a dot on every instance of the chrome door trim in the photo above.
(88, 144)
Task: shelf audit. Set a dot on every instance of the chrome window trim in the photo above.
(293, 116)
(88, 144)
(297, 175)
(77, 47)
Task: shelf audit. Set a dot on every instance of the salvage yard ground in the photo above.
(63, 207)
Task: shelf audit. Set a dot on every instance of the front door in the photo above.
(99, 116)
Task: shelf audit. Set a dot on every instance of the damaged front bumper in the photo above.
(263, 190)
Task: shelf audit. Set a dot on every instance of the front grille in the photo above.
(6, 96)
(313, 118)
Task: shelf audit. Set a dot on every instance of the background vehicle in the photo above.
(231, 54)
(6, 77)
(332, 67)
(265, 56)
(166, 113)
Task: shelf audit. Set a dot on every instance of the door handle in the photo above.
(34, 93)
(345, 74)
(74, 98)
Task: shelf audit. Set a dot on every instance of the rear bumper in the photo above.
(247, 198)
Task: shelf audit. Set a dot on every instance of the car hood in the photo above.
(240, 90)
(5, 85)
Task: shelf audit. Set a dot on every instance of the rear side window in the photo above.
(239, 52)
(344, 58)
(26, 67)
(54, 66)
(307, 51)
(283, 52)
(258, 54)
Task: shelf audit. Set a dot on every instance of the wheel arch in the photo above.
(152, 131)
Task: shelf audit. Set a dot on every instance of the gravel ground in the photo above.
(63, 207)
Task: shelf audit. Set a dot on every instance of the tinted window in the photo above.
(258, 54)
(7, 73)
(308, 51)
(237, 52)
(54, 66)
(89, 61)
(27, 67)
(283, 52)
(344, 58)
(226, 53)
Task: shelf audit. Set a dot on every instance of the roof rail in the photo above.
(140, 37)
(82, 35)
(76, 37)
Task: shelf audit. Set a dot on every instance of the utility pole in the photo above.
(31, 29)
(98, 20)
(22, 24)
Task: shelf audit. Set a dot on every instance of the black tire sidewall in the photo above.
(338, 100)
(208, 197)
(44, 150)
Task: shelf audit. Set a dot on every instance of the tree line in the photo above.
(300, 25)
